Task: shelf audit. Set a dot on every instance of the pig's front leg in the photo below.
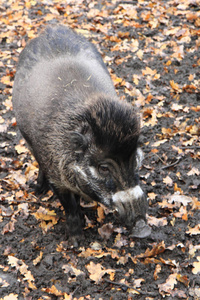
(74, 216)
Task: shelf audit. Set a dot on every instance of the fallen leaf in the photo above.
(167, 287)
(53, 290)
(184, 279)
(46, 217)
(140, 54)
(157, 249)
(6, 80)
(137, 282)
(9, 227)
(100, 213)
(38, 259)
(182, 213)
(158, 143)
(157, 221)
(194, 231)
(177, 107)
(120, 241)
(21, 149)
(157, 271)
(23, 269)
(97, 271)
(72, 270)
(168, 181)
(149, 71)
(10, 297)
(152, 196)
(196, 265)
(179, 199)
(105, 231)
(195, 203)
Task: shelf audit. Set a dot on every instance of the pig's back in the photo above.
(55, 42)
(58, 69)
(60, 53)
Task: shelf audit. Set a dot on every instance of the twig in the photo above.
(190, 147)
(171, 165)
(76, 289)
(123, 285)
(159, 158)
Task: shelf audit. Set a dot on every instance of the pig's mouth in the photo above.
(131, 205)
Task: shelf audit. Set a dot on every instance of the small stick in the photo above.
(171, 165)
(160, 158)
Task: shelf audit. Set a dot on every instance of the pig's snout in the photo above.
(141, 229)
(131, 205)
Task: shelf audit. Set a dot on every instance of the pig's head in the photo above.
(108, 159)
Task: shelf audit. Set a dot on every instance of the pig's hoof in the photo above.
(74, 241)
(140, 230)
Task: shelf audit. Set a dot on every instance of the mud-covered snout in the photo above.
(131, 205)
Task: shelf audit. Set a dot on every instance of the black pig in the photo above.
(83, 137)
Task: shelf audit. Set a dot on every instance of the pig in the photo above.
(84, 138)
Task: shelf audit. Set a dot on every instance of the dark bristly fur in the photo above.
(83, 137)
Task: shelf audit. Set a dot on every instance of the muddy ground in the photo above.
(151, 49)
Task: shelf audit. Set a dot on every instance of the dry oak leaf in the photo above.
(93, 253)
(158, 143)
(6, 80)
(14, 178)
(168, 181)
(120, 241)
(179, 199)
(177, 107)
(4, 283)
(149, 71)
(168, 286)
(139, 98)
(72, 270)
(31, 171)
(47, 218)
(151, 114)
(183, 278)
(194, 231)
(152, 196)
(157, 221)
(23, 269)
(21, 149)
(140, 54)
(100, 213)
(9, 227)
(52, 290)
(105, 231)
(157, 249)
(97, 271)
(196, 203)
(194, 130)
(157, 270)
(196, 265)
(177, 189)
(182, 213)
(38, 259)
(10, 297)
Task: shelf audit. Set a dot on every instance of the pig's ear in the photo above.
(78, 141)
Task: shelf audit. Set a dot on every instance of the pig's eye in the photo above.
(104, 170)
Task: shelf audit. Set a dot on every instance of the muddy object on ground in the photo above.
(83, 137)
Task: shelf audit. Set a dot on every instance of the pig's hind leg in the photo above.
(74, 216)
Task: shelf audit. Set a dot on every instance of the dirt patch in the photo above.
(152, 52)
